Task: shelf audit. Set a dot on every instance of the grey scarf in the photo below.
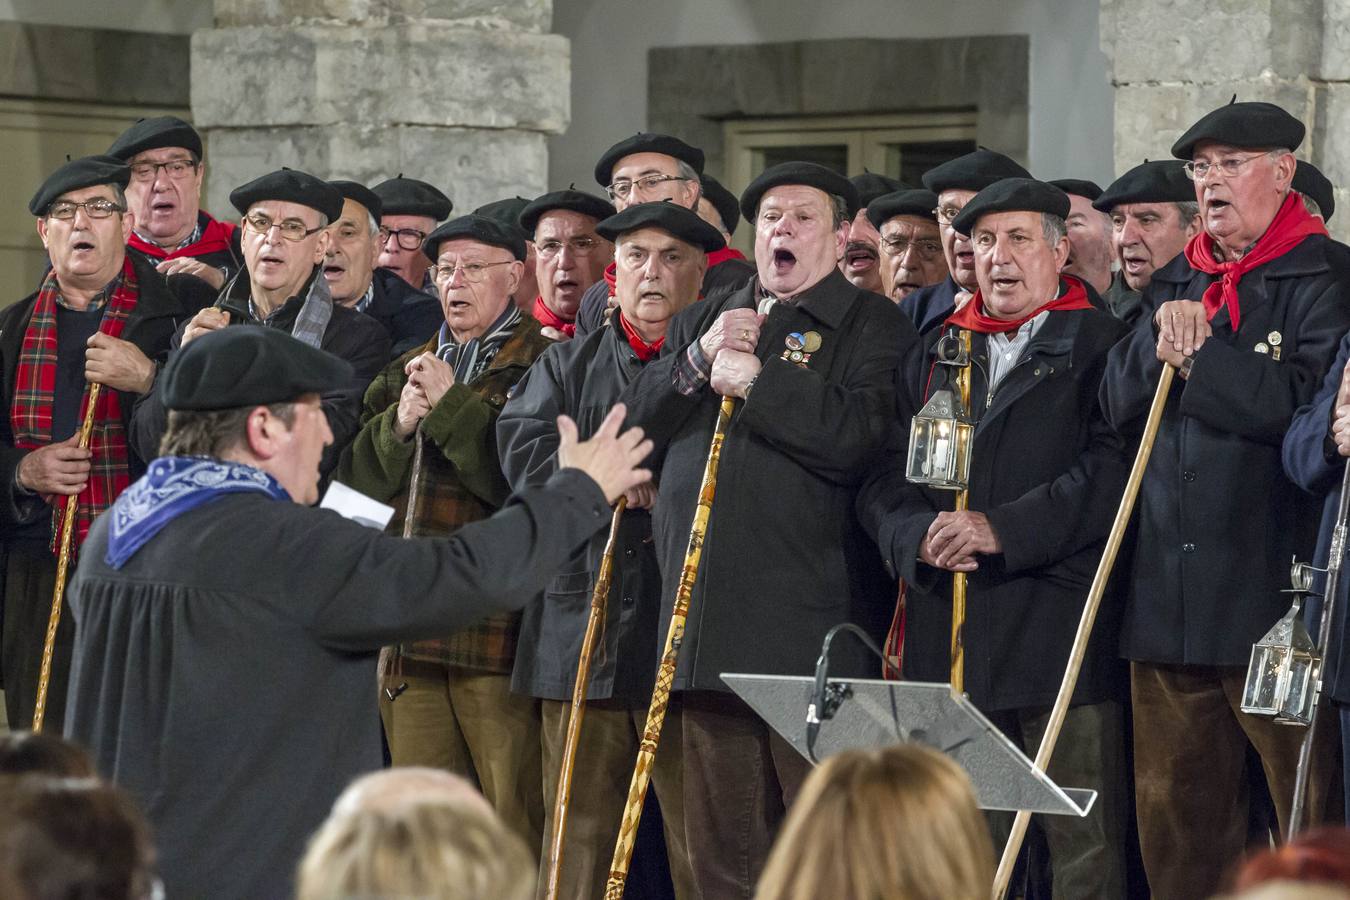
(472, 356)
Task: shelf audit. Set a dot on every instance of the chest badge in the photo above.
(1261, 347)
(800, 347)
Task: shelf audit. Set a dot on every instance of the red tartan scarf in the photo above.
(1292, 224)
(215, 238)
(34, 388)
(645, 351)
(973, 318)
(549, 319)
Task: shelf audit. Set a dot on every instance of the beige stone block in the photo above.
(526, 15)
(1331, 136)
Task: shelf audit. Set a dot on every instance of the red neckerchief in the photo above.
(549, 319)
(645, 351)
(972, 316)
(216, 236)
(1291, 225)
(35, 388)
(717, 257)
(611, 274)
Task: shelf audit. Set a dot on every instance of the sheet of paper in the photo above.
(357, 506)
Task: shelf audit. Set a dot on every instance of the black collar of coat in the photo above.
(1308, 257)
(827, 301)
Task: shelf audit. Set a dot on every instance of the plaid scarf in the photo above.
(34, 389)
(471, 357)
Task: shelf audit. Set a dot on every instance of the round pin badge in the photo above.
(795, 341)
(811, 340)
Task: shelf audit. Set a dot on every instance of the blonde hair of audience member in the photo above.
(415, 833)
(894, 824)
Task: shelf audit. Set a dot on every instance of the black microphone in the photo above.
(825, 700)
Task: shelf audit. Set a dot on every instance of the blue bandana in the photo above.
(170, 487)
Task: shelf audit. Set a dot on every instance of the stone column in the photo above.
(459, 93)
(1174, 60)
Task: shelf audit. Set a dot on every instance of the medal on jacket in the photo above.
(800, 347)
(1274, 339)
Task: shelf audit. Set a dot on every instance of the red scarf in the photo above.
(1291, 225)
(611, 276)
(645, 351)
(549, 319)
(972, 315)
(34, 390)
(715, 258)
(215, 238)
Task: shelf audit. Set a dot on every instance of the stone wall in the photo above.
(1174, 60)
(460, 93)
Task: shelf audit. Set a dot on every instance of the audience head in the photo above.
(1089, 230)
(911, 244)
(955, 182)
(478, 266)
(570, 255)
(801, 212)
(648, 167)
(164, 154)
(411, 210)
(1153, 215)
(862, 254)
(1318, 857)
(83, 221)
(353, 243)
(285, 221)
(27, 752)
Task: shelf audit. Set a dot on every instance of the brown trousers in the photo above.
(606, 752)
(1191, 780)
(471, 724)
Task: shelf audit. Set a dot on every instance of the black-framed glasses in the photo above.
(620, 190)
(581, 246)
(98, 208)
(1229, 168)
(175, 168)
(290, 229)
(408, 238)
(928, 250)
(472, 272)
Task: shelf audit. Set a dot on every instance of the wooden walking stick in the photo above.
(665, 673)
(958, 650)
(599, 599)
(62, 568)
(1085, 623)
(390, 663)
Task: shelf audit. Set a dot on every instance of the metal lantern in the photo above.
(940, 435)
(1285, 664)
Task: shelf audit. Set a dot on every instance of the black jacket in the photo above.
(582, 378)
(784, 557)
(1048, 472)
(408, 315)
(1218, 520)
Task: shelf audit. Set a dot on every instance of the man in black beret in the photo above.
(661, 256)
(228, 632)
(812, 362)
(1046, 475)
(571, 255)
(285, 219)
(862, 254)
(100, 315)
(720, 208)
(1319, 196)
(1153, 214)
(1250, 315)
(447, 701)
(165, 196)
(507, 211)
(647, 168)
(911, 245)
(955, 182)
(411, 210)
(1090, 252)
(409, 316)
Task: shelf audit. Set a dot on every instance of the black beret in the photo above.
(1078, 187)
(807, 173)
(506, 212)
(248, 365)
(1251, 125)
(724, 201)
(870, 186)
(478, 228)
(355, 190)
(1159, 181)
(917, 202)
(293, 186)
(155, 134)
(1309, 180)
(973, 172)
(681, 222)
(645, 142)
(410, 197)
(571, 199)
(1012, 195)
(84, 172)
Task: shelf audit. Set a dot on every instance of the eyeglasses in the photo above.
(408, 238)
(946, 214)
(581, 246)
(174, 168)
(290, 229)
(927, 249)
(94, 209)
(620, 190)
(472, 272)
(1229, 168)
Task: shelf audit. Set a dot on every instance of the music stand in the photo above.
(875, 713)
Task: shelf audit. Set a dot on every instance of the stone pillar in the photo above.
(1174, 60)
(459, 93)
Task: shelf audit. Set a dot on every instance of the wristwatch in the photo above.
(1187, 363)
(750, 384)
